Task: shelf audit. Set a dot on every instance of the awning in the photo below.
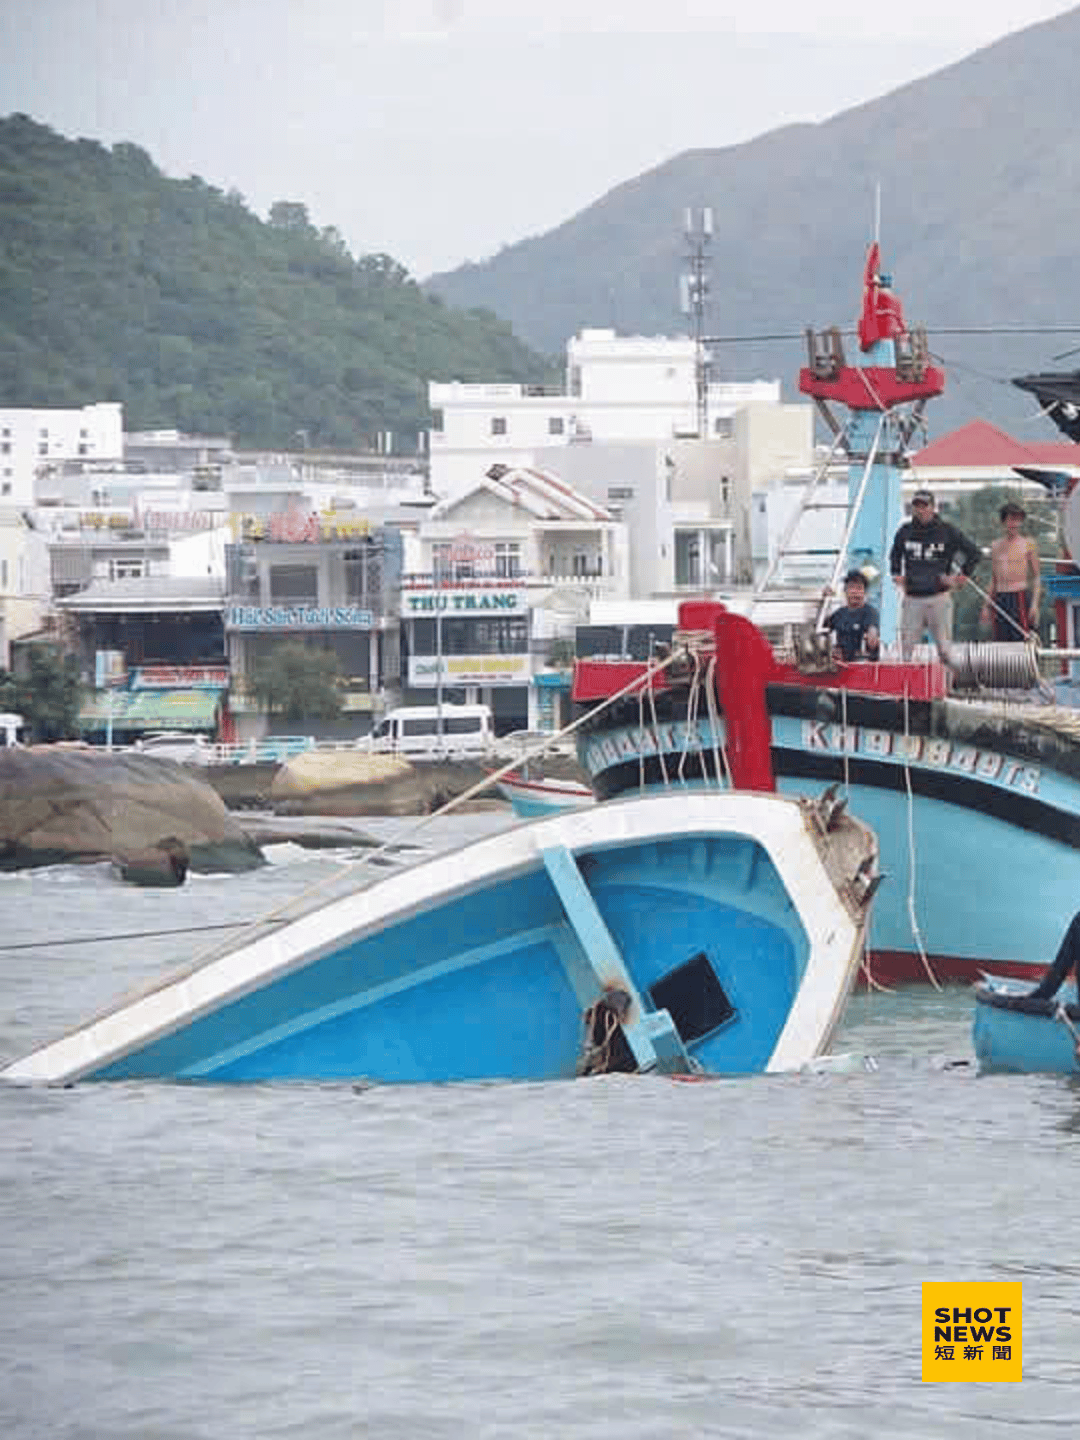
(150, 710)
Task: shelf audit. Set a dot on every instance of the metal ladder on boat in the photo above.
(768, 587)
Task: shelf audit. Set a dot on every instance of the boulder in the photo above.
(165, 863)
(347, 782)
(59, 804)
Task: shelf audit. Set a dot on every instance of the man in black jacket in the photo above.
(921, 562)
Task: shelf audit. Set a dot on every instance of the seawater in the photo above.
(623, 1256)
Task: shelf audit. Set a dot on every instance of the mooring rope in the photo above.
(1060, 1013)
(915, 931)
(125, 935)
(721, 768)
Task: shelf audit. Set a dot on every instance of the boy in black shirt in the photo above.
(855, 625)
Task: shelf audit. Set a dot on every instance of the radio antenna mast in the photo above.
(693, 297)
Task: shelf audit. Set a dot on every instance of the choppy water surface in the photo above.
(622, 1256)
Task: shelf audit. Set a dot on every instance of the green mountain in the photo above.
(980, 202)
(118, 283)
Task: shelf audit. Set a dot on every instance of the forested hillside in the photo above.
(118, 283)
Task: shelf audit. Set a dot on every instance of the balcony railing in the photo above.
(525, 580)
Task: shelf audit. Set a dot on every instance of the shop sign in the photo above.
(106, 520)
(180, 677)
(301, 527)
(298, 617)
(420, 603)
(182, 519)
(469, 670)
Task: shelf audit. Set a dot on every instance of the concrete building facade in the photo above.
(31, 440)
(617, 389)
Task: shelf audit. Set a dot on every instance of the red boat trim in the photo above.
(905, 967)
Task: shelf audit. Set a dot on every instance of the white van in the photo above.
(414, 730)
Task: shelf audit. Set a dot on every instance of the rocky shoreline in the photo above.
(156, 820)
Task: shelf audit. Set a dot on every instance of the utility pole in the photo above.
(693, 298)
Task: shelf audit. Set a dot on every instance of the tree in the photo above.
(290, 215)
(297, 682)
(48, 697)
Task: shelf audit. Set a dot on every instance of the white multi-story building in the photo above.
(31, 440)
(24, 579)
(507, 569)
(618, 389)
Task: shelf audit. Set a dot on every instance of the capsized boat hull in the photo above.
(730, 924)
(1017, 1034)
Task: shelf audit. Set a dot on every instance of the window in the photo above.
(84, 449)
(498, 425)
(585, 564)
(293, 583)
(506, 636)
(507, 559)
(3, 575)
(556, 425)
(5, 487)
(129, 567)
(43, 447)
(575, 380)
(440, 563)
(437, 420)
(620, 492)
(362, 574)
(694, 998)
(723, 427)
(687, 557)
(5, 447)
(44, 434)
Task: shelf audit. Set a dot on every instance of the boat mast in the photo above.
(885, 392)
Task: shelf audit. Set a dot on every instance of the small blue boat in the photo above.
(536, 799)
(1017, 1031)
(681, 933)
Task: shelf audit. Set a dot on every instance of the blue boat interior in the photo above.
(492, 983)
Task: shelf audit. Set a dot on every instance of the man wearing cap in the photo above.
(921, 562)
(1015, 583)
(855, 625)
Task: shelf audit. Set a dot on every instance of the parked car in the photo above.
(176, 745)
(431, 731)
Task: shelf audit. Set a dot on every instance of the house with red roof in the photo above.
(980, 454)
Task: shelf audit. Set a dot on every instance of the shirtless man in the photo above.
(1015, 585)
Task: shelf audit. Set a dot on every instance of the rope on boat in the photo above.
(915, 931)
(1024, 634)
(722, 775)
(691, 716)
(656, 736)
(994, 664)
(1060, 1013)
(601, 1023)
(123, 935)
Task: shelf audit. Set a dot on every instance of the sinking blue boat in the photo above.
(1015, 1031)
(711, 932)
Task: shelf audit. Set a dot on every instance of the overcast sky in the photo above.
(441, 130)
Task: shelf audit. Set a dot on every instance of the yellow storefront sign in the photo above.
(972, 1330)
